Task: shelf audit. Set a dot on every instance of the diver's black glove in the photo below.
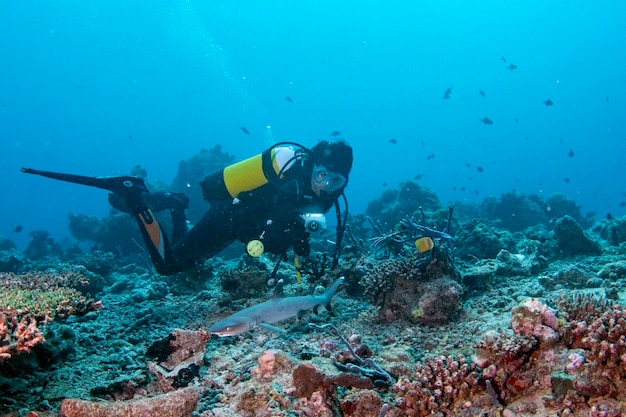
(280, 236)
(301, 246)
(276, 237)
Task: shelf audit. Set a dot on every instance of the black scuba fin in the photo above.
(119, 185)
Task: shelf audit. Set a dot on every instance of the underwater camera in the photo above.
(314, 222)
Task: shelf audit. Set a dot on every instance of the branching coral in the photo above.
(417, 289)
(33, 299)
(604, 344)
(441, 384)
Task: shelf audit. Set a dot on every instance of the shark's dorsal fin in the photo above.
(278, 290)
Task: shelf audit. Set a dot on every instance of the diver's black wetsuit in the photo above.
(271, 197)
(269, 213)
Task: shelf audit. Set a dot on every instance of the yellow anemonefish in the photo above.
(424, 244)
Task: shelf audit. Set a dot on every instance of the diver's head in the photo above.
(331, 163)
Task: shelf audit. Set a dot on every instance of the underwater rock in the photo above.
(180, 403)
(613, 271)
(42, 246)
(97, 261)
(439, 303)
(179, 358)
(572, 239)
(308, 379)
(518, 211)
(11, 260)
(612, 230)
(116, 233)
(534, 318)
(571, 276)
(479, 239)
(479, 277)
(394, 205)
(557, 205)
(511, 265)
(6, 244)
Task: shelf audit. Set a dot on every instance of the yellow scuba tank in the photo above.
(246, 175)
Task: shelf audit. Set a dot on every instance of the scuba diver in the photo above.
(271, 202)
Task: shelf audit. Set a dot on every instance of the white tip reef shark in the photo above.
(276, 309)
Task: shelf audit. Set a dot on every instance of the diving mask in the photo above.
(328, 180)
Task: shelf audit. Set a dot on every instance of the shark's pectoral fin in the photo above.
(273, 328)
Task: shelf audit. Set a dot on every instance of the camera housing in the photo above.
(314, 222)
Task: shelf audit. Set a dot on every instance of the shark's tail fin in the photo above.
(330, 292)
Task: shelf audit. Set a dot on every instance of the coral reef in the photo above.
(557, 205)
(394, 205)
(441, 386)
(35, 299)
(613, 230)
(518, 211)
(572, 239)
(478, 239)
(413, 288)
(42, 245)
(543, 324)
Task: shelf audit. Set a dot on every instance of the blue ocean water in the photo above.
(95, 88)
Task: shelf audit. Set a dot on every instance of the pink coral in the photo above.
(441, 385)
(532, 317)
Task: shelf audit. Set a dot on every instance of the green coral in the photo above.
(39, 303)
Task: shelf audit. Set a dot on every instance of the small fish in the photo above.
(548, 102)
(335, 133)
(480, 169)
(393, 141)
(130, 137)
(18, 228)
(244, 130)
(447, 93)
(384, 184)
(503, 59)
(423, 143)
(486, 121)
(463, 188)
(566, 180)
(511, 67)
(289, 99)
(570, 153)
(622, 204)
(467, 164)
(431, 156)
(607, 99)
(623, 193)
(418, 177)
(424, 244)
(516, 120)
(482, 93)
